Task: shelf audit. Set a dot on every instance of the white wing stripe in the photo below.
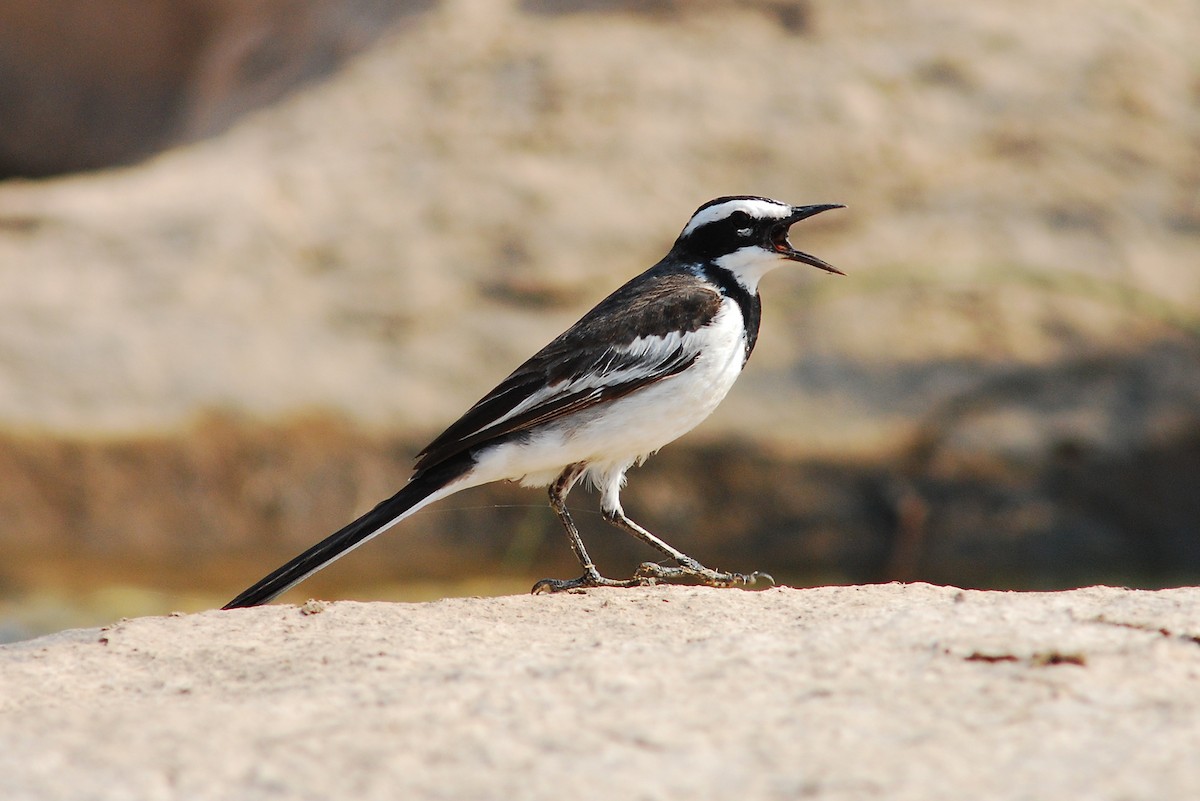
(651, 353)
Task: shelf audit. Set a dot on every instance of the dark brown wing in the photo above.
(635, 337)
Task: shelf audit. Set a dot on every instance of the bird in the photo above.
(646, 365)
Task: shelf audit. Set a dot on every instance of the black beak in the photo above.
(779, 240)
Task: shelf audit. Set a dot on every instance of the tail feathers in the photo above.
(423, 488)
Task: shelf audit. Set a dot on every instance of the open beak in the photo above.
(779, 236)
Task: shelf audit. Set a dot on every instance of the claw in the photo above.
(549, 585)
(759, 575)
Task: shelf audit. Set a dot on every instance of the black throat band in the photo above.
(749, 304)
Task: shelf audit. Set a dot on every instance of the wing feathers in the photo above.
(635, 337)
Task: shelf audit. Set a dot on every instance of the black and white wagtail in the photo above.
(642, 368)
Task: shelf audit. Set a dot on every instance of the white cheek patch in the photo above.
(750, 264)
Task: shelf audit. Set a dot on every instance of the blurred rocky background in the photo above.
(253, 254)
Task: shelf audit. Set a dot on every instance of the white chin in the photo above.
(750, 264)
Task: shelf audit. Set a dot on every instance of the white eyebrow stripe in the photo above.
(759, 209)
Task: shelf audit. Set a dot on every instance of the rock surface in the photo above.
(888, 691)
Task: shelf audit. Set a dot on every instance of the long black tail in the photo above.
(346, 539)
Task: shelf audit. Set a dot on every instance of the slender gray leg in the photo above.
(591, 576)
(688, 568)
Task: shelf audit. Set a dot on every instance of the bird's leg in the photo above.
(591, 576)
(688, 567)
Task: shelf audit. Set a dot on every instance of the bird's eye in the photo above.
(742, 220)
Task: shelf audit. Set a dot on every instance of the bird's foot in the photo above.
(590, 578)
(695, 573)
(649, 573)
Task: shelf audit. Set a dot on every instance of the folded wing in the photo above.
(635, 337)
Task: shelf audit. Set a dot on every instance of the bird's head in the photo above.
(747, 236)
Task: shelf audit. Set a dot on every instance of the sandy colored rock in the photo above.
(1005, 381)
(892, 691)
